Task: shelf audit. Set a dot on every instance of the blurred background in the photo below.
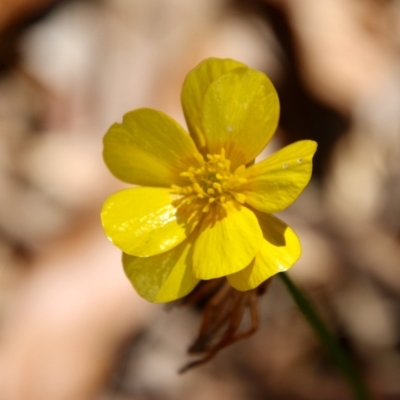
(71, 326)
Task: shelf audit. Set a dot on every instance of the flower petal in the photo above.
(274, 183)
(279, 251)
(226, 242)
(194, 89)
(148, 148)
(145, 221)
(240, 114)
(164, 277)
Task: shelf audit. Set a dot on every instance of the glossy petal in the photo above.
(148, 148)
(164, 277)
(194, 89)
(279, 251)
(274, 183)
(240, 114)
(145, 221)
(226, 242)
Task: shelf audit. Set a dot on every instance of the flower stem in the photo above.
(331, 345)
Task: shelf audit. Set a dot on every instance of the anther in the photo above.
(186, 174)
(217, 186)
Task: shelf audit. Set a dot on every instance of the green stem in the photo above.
(337, 353)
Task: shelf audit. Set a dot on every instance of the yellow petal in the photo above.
(274, 183)
(164, 277)
(240, 114)
(279, 251)
(226, 242)
(145, 221)
(194, 89)
(148, 148)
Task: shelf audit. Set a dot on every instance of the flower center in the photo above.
(211, 183)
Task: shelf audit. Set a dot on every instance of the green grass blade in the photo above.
(337, 353)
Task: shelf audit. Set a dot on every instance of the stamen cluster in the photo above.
(212, 183)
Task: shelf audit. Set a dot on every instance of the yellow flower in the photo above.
(203, 210)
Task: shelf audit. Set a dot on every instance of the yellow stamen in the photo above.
(211, 183)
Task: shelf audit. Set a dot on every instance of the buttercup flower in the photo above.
(203, 209)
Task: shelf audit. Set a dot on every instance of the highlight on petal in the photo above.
(240, 114)
(280, 249)
(149, 148)
(226, 241)
(194, 89)
(145, 221)
(164, 277)
(274, 183)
